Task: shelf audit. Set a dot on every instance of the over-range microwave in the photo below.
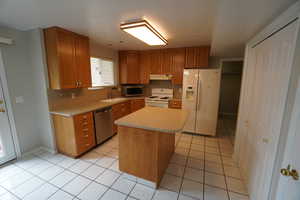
(132, 90)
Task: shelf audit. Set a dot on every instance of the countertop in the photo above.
(69, 111)
(155, 119)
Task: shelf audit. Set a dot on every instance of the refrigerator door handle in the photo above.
(199, 94)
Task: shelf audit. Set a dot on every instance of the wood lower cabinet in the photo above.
(137, 104)
(144, 153)
(68, 59)
(197, 57)
(175, 104)
(74, 135)
(120, 110)
(129, 67)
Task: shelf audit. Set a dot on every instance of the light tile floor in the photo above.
(201, 168)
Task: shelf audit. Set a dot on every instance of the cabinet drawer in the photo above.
(85, 143)
(84, 130)
(84, 119)
(121, 109)
(175, 104)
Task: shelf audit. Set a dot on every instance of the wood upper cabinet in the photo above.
(129, 67)
(155, 61)
(144, 67)
(68, 59)
(82, 57)
(178, 61)
(197, 57)
(167, 61)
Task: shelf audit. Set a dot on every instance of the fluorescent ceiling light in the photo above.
(142, 30)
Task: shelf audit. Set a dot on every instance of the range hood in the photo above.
(160, 76)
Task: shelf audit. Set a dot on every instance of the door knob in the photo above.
(288, 172)
(2, 110)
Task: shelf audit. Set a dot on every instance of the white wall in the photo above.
(39, 76)
(19, 74)
(26, 73)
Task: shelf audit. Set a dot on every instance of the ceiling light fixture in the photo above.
(142, 30)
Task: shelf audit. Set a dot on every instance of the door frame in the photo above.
(285, 18)
(9, 107)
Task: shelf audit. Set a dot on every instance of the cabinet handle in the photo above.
(87, 144)
(84, 123)
(84, 117)
(85, 129)
(86, 136)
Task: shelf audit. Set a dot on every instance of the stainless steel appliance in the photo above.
(103, 124)
(132, 90)
(200, 98)
(160, 97)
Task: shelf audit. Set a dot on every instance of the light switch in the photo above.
(20, 99)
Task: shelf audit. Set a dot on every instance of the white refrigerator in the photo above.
(200, 97)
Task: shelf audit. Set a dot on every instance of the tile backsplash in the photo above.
(73, 97)
(77, 97)
(164, 84)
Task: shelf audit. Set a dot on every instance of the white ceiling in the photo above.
(224, 24)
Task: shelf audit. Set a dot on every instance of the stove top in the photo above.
(158, 98)
(153, 97)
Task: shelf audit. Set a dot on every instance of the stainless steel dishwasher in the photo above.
(103, 124)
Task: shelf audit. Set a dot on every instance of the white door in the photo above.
(289, 188)
(208, 101)
(7, 151)
(189, 97)
(268, 88)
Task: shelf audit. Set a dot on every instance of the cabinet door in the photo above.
(66, 59)
(133, 74)
(202, 56)
(83, 66)
(123, 67)
(137, 104)
(178, 61)
(197, 57)
(129, 67)
(155, 61)
(167, 61)
(144, 67)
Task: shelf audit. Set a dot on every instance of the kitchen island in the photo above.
(147, 141)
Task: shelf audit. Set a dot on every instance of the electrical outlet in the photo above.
(20, 99)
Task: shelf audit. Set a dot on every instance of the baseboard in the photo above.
(37, 150)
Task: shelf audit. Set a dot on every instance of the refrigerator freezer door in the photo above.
(189, 98)
(208, 101)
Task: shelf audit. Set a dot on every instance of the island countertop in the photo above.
(155, 119)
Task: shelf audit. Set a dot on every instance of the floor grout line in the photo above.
(185, 166)
(187, 159)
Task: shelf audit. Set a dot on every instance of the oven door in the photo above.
(157, 104)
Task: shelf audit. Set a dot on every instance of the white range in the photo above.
(160, 97)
